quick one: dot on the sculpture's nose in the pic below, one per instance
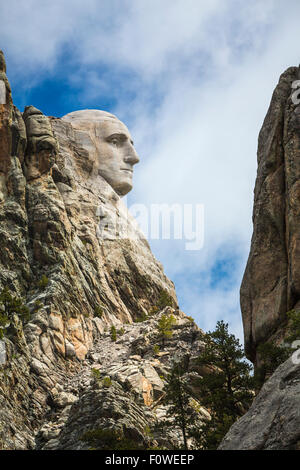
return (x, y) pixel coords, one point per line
(131, 156)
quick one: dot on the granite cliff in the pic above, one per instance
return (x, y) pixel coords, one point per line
(63, 372)
(271, 283)
(88, 357)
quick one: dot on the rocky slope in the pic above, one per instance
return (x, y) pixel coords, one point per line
(120, 386)
(271, 284)
(273, 421)
(77, 284)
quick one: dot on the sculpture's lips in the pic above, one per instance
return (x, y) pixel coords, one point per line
(127, 169)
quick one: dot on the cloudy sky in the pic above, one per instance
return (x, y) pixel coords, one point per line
(192, 79)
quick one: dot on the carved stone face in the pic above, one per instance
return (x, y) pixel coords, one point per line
(115, 155)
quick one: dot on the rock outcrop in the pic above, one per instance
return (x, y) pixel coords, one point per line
(120, 386)
(271, 284)
(73, 253)
(273, 421)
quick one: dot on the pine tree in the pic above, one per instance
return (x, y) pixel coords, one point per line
(113, 333)
(165, 325)
(226, 388)
(177, 396)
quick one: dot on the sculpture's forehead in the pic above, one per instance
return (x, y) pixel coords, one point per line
(96, 121)
(109, 127)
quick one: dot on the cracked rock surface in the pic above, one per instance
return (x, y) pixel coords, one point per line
(273, 421)
(271, 283)
(77, 283)
(120, 386)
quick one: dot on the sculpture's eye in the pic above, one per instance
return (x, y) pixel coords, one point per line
(114, 141)
(117, 139)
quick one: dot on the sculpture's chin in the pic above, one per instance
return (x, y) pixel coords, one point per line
(123, 189)
(122, 184)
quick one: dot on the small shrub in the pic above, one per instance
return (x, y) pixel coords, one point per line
(107, 382)
(37, 306)
(141, 317)
(164, 300)
(148, 431)
(195, 405)
(98, 312)
(113, 333)
(10, 306)
(293, 325)
(121, 331)
(43, 282)
(96, 374)
(271, 356)
(156, 349)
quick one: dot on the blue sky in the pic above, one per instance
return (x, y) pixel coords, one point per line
(192, 80)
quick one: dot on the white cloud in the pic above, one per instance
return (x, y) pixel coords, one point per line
(203, 73)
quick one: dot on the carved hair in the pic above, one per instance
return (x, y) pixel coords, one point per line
(78, 117)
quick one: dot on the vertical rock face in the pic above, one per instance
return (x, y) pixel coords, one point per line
(271, 283)
(61, 254)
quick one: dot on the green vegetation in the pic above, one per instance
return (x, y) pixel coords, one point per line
(156, 349)
(121, 331)
(226, 386)
(177, 396)
(98, 312)
(43, 282)
(293, 325)
(270, 357)
(164, 326)
(106, 382)
(113, 333)
(225, 389)
(10, 306)
(164, 300)
(96, 374)
(109, 439)
(141, 317)
(148, 431)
